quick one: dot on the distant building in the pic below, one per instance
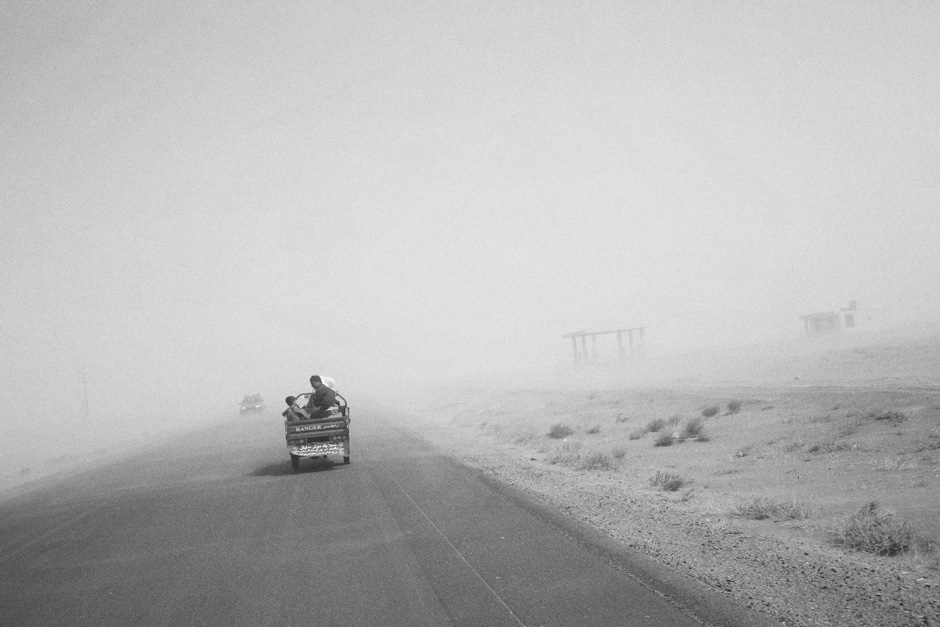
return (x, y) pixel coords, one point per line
(831, 321)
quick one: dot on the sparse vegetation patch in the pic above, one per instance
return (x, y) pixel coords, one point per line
(664, 439)
(762, 508)
(655, 425)
(693, 428)
(735, 406)
(874, 531)
(593, 430)
(932, 443)
(559, 431)
(636, 434)
(890, 415)
(847, 429)
(829, 446)
(711, 410)
(596, 461)
(568, 454)
(668, 481)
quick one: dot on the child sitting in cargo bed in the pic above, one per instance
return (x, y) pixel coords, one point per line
(294, 411)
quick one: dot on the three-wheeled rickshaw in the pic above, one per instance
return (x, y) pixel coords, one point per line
(316, 437)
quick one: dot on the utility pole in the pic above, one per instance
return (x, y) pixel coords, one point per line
(85, 398)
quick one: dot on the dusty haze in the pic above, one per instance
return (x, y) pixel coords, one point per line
(201, 201)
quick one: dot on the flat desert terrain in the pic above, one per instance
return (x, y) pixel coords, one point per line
(801, 479)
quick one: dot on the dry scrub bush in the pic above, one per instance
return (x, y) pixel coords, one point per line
(847, 429)
(559, 431)
(693, 428)
(618, 452)
(874, 531)
(932, 443)
(636, 434)
(792, 511)
(891, 415)
(596, 461)
(668, 481)
(593, 430)
(734, 406)
(674, 420)
(828, 447)
(664, 439)
(711, 410)
(761, 508)
(655, 425)
(568, 454)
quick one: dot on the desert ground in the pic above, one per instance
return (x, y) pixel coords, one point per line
(801, 478)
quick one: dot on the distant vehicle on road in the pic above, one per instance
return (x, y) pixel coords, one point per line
(316, 437)
(252, 402)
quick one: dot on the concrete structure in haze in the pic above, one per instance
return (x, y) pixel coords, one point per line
(831, 321)
(634, 337)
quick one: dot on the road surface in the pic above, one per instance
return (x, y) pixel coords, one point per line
(216, 529)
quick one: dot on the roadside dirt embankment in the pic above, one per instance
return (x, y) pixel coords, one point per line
(764, 489)
(807, 460)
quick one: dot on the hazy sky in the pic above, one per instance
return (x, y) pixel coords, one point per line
(205, 195)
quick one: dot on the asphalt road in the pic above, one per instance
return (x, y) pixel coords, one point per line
(216, 529)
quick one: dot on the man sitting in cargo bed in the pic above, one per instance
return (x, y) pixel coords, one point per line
(322, 399)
